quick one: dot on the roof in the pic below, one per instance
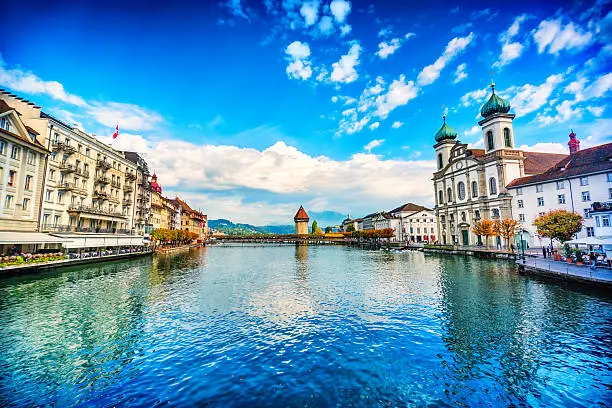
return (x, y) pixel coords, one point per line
(477, 152)
(587, 161)
(301, 215)
(29, 129)
(22, 138)
(536, 163)
(4, 107)
(409, 207)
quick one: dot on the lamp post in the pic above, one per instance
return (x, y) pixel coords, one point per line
(521, 245)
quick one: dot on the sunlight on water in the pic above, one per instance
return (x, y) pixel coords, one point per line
(301, 326)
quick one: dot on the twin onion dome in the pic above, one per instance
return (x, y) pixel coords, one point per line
(495, 104)
(445, 132)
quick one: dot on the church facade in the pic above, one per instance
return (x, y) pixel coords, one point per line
(470, 184)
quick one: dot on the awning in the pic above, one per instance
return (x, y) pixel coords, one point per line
(591, 241)
(13, 238)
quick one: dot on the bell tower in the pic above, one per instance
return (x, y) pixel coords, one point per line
(496, 126)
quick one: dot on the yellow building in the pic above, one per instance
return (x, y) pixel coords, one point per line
(192, 220)
(159, 213)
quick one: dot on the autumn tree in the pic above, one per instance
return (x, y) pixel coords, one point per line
(558, 224)
(506, 228)
(484, 228)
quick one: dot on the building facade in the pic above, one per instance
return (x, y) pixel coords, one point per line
(22, 169)
(192, 220)
(141, 211)
(574, 183)
(470, 184)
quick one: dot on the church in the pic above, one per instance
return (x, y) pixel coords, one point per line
(471, 184)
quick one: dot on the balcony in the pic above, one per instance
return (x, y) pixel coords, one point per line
(103, 164)
(128, 188)
(100, 195)
(67, 168)
(115, 200)
(116, 183)
(72, 228)
(601, 206)
(65, 186)
(127, 202)
(79, 190)
(102, 180)
(80, 172)
(95, 210)
(130, 176)
(69, 149)
(57, 145)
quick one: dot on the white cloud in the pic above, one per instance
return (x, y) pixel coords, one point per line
(373, 144)
(552, 37)
(596, 111)
(431, 73)
(470, 132)
(340, 9)
(460, 73)
(326, 25)
(510, 52)
(397, 124)
(473, 97)
(399, 93)
(546, 147)
(565, 110)
(513, 30)
(374, 126)
(127, 116)
(344, 71)
(600, 87)
(299, 64)
(345, 30)
(385, 31)
(385, 49)
(310, 12)
(235, 7)
(529, 98)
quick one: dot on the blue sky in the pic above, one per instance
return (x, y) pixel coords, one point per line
(250, 108)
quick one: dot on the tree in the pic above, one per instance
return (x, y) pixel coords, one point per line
(558, 224)
(315, 227)
(507, 229)
(387, 233)
(484, 228)
(350, 228)
(328, 230)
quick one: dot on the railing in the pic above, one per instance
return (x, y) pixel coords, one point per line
(94, 210)
(103, 164)
(57, 145)
(130, 176)
(73, 228)
(69, 149)
(114, 200)
(100, 195)
(127, 202)
(67, 168)
(102, 180)
(83, 173)
(116, 184)
(79, 190)
(65, 186)
(128, 188)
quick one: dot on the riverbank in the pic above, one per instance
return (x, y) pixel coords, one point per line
(564, 271)
(53, 265)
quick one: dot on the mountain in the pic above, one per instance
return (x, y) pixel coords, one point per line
(324, 219)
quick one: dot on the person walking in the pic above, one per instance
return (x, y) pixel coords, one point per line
(544, 252)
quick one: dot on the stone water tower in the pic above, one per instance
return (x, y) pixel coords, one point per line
(301, 222)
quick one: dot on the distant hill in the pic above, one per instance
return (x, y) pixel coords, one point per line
(324, 219)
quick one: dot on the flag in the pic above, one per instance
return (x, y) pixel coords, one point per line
(116, 132)
(202, 224)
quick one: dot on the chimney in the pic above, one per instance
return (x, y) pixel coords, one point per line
(574, 144)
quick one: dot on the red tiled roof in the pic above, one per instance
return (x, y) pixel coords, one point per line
(587, 161)
(24, 139)
(409, 207)
(4, 106)
(536, 163)
(301, 215)
(477, 152)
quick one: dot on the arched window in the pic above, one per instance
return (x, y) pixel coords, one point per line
(492, 186)
(474, 189)
(441, 197)
(477, 215)
(495, 212)
(507, 137)
(490, 141)
(449, 194)
(461, 190)
(439, 160)
(463, 216)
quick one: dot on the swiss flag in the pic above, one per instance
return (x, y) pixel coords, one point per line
(202, 224)
(116, 132)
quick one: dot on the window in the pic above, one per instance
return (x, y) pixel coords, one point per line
(54, 156)
(46, 219)
(586, 196)
(439, 160)
(587, 213)
(519, 191)
(461, 189)
(60, 197)
(12, 177)
(605, 221)
(8, 201)
(609, 177)
(584, 181)
(540, 201)
(3, 147)
(590, 231)
(474, 189)
(560, 185)
(31, 158)
(28, 182)
(4, 123)
(56, 220)
(522, 217)
(477, 215)
(490, 142)
(26, 204)
(51, 174)
(521, 204)
(495, 212)
(15, 152)
(610, 193)
(539, 188)
(561, 198)
(492, 186)
(449, 195)
(597, 224)
(507, 139)
(49, 195)
(463, 216)
(443, 219)
(87, 152)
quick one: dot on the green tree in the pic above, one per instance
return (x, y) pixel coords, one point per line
(350, 228)
(328, 230)
(315, 227)
(559, 224)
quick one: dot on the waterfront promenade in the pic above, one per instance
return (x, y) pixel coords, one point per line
(584, 273)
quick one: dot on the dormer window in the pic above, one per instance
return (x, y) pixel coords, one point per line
(4, 124)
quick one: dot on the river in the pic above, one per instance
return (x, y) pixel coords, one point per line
(318, 326)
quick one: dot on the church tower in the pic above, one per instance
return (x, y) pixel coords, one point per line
(573, 144)
(496, 126)
(301, 222)
(445, 140)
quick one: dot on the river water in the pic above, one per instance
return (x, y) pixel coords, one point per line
(317, 326)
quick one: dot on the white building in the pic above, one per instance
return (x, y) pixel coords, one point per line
(470, 184)
(573, 184)
(418, 223)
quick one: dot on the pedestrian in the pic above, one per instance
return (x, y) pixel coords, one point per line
(593, 261)
(544, 252)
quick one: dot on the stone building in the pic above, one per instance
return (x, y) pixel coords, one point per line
(470, 184)
(192, 220)
(301, 220)
(141, 211)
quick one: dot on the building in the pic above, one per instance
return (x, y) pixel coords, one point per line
(22, 170)
(349, 224)
(172, 214)
(301, 220)
(141, 211)
(418, 223)
(84, 181)
(470, 184)
(158, 218)
(574, 183)
(192, 220)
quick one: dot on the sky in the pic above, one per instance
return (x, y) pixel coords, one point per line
(250, 108)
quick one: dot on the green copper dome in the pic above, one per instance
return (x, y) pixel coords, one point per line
(495, 104)
(445, 132)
